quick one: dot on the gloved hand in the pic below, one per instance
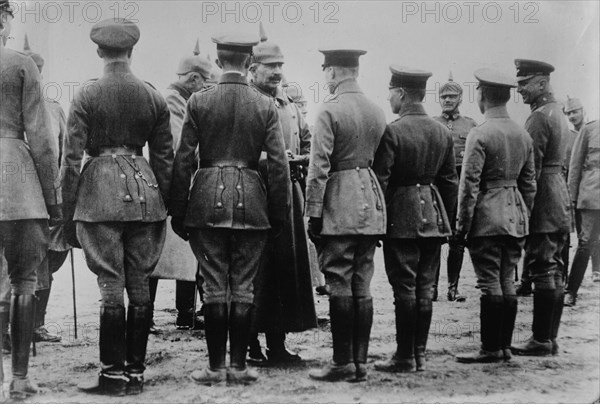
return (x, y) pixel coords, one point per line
(70, 234)
(56, 215)
(315, 226)
(179, 227)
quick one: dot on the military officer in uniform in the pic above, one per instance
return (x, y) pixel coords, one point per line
(24, 205)
(118, 200)
(459, 125)
(58, 248)
(550, 221)
(584, 187)
(228, 210)
(416, 168)
(346, 209)
(177, 261)
(496, 192)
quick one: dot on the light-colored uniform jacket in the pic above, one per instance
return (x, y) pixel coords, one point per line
(497, 183)
(584, 169)
(341, 186)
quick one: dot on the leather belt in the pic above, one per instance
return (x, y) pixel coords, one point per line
(11, 134)
(356, 164)
(407, 182)
(491, 184)
(115, 151)
(208, 163)
(552, 169)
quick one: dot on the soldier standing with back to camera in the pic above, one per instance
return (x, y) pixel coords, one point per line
(346, 209)
(228, 211)
(283, 287)
(550, 221)
(117, 202)
(497, 188)
(415, 167)
(459, 126)
(30, 193)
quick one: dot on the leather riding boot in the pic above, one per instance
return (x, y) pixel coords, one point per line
(539, 344)
(509, 316)
(491, 316)
(341, 312)
(138, 327)
(406, 329)
(216, 323)
(455, 261)
(363, 321)
(40, 334)
(240, 318)
(424, 314)
(5, 321)
(22, 309)
(434, 287)
(524, 288)
(277, 353)
(580, 263)
(111, 380)
(559, 296)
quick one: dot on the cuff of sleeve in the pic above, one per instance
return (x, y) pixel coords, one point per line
(52, 196)
(314, 209)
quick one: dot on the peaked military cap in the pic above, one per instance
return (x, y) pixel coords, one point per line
(408, 78)
(341, 57)
(236, 42)
(451, 86)
(572, 104)
(37, 58)
(493, 78)
(115, 33)
(195, 63)
(6, 7)
(527, 69)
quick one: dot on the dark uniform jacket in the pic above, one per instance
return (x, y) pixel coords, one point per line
(114, 111)
(28, 151)
(416, 168)
(459, 127)
(341, 187)
(497, 183)
(584, 170)
(549, 130)
(231, 123)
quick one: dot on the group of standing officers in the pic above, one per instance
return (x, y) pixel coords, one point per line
(236, 187)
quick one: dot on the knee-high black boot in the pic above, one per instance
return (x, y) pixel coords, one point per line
(403, 359)
(138, 327)
(454, 262)
(5, 321)
(509, 315)
(112, 379)
(559, 297)
(580, 263)
(491, 318)
(540, 344)
(22, 309)
(240, 317)
(424, 314)
(363, 321)
(341, 312)
(216, 323)
(40, 334)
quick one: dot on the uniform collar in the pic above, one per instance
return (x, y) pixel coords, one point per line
(117, 67)
(413, 109)
(496, 112)
(542, 100)
(233, 77)
(279, 97)
(183, 92)
(349, 85)
(451, 117)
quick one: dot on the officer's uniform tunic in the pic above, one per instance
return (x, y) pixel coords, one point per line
(284, 297)
(117, 200)
(342, 189)
(496, 194)
(550, 221)
(228, 208)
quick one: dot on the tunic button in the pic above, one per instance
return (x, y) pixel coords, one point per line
(114, 156)
(127, 198)
(434, 203)
(424, 220)
(239, 187)
(123, 176)
(219, 205)
(362, 187)
(422, 202)
(133, 156)
(418, 185)
(141, 199)
(357, 168)
(221, 187)
(240, 205)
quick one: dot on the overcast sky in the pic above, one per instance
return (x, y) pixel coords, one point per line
(437, 36)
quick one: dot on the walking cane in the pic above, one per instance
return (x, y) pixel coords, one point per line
(74, 299)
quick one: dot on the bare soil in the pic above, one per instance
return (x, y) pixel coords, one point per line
(571, 377)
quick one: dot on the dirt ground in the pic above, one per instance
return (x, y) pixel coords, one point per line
(571, 377)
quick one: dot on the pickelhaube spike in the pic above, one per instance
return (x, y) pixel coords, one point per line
(197, 47)
(262, 33)
(26, 47)
(450, 77)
